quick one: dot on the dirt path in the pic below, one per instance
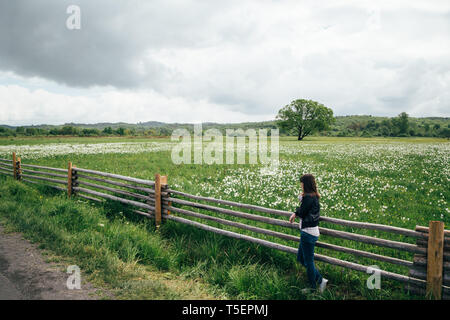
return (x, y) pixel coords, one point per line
(24, 274)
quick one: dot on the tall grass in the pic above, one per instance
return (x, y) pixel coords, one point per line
(100, 243)
(106, 242)
(388, 181)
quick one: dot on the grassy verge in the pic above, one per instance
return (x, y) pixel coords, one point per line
(122, 256)
(123, 253)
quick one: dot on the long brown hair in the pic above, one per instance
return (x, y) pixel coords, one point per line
(309, 184)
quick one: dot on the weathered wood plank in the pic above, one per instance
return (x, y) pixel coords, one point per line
(50, 174)
(44, 179)
(43, 167)
(81, 195)
(122, 192)
(114, 198)
(435, 258)
(317, 257)
(342, 222)
(6, 172)
(424, 243)
(14, 165)
(421, 260)
(293, 238)
(116, 183)
(7, 169)
(426, 229)
(420, 272)
(158, 200)
(7, 165)
(69, 180)
(335, 233)
(117, 176)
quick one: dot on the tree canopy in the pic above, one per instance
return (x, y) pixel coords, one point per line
(305, 117)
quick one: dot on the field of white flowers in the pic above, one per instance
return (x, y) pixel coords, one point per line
(395, 182)
(400, 182)
(37, 151)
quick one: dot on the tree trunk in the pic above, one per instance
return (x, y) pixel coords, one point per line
(300, 137)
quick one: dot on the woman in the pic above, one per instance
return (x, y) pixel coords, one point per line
(309, 213)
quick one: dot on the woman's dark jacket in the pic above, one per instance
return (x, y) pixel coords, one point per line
(309, 211)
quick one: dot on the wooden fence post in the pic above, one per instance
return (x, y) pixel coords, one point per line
(169, 203)
(74, 178)
(163, 188)
(14, 165)
(435, 256)
(157, 200)
(160, 183)
(18, 169)
(69, 180)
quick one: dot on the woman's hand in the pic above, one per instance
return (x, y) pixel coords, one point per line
(292, 218)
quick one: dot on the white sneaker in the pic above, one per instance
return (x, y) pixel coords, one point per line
(323, 285)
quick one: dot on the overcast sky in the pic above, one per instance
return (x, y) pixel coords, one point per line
(220, 61)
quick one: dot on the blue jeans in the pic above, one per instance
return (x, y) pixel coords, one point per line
(305, 256)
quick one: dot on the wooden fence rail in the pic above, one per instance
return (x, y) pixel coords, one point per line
(428, 270)
(325, 231)
(342, 222)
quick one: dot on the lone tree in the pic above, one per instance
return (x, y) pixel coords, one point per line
(401, 123)
(305, 117)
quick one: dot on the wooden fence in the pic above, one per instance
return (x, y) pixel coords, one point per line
(428, 272)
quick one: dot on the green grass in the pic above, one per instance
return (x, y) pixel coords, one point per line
(397, 181)
(316, 139)
(101, 241)
(111, 246)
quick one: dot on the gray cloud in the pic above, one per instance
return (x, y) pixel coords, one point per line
(102, 53)
(248, 57)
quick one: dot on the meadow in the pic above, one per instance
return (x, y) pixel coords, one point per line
(394, 181)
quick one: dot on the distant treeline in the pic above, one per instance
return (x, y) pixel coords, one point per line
(344, 126)
(70, 130)
(400, 126)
